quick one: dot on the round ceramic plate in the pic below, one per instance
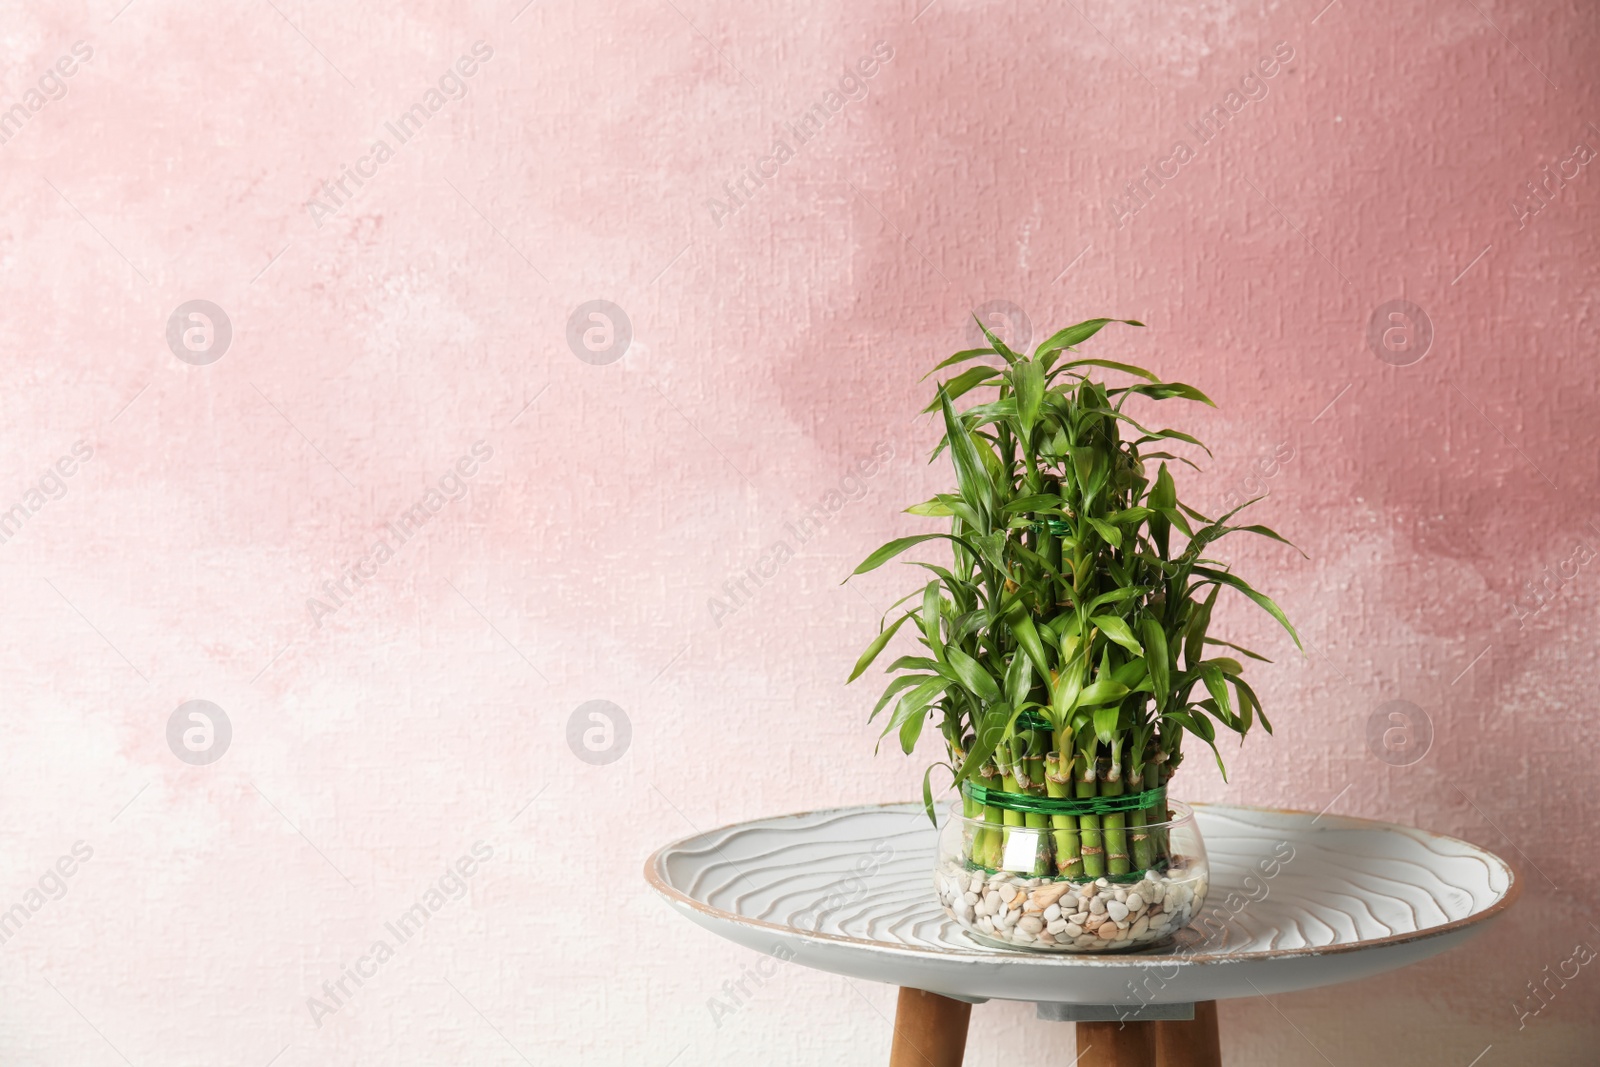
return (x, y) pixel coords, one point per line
(1296, 901)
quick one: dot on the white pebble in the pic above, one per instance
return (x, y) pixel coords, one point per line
(1094, 916)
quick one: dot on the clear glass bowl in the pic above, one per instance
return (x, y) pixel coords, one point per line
(1023, 901)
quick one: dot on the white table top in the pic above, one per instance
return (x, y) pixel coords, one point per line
(850, 890)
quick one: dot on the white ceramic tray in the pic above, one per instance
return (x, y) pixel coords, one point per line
(850, 891)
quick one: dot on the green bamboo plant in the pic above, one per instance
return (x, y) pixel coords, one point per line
(1067, 647)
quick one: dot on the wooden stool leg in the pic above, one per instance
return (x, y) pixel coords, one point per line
(929, 1030)
(1193, 1043)
(1116, 1044)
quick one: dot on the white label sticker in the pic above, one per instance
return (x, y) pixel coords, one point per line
(1022, 850)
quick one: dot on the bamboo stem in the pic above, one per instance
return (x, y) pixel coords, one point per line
(1058, 784)
(1094, 859)
(1008, 782)
(987, 853)
(1116, 822)
(1162, 812)
(1144, 846)
(1033, 764)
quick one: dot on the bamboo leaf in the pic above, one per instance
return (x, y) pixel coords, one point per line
(964, 383)
(1064, 694)
(1110, 533)
(1246, 702)
(1077, 334)
(1116, 596)
(904, 682)
(1135, 674)
(972, 674)
(1174, 435)
(1194, 636)
(973, 476)
(1118, 631)
(1242, 651)
(899, 545)
(1166, 391)
(1027, 378)
(927, 793)
(999, 345)
(933, 509)
(1083, 458)
(1198, 725)
(1201, 727)
(1105, 724)
(1216, 684)
(1071, 368)
(916, 702)
(1157, 658)
(1264, 602)
(992, 546)
(1019, 678)
(1028, 637)
(960, 357)
(910, 730)
(1264, 531)
(930, 616)
(998, 474)
(1162, 498)
(1245, 692)
(876, 647)
(1102, 690)
(1037, 502)
(1175, 517)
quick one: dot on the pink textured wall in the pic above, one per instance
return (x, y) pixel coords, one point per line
(584, 547)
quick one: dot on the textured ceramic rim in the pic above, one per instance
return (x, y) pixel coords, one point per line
(655, 875)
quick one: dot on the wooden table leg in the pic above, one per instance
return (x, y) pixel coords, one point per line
(1192, 1043)
(929, 1030)
(1116, 1044)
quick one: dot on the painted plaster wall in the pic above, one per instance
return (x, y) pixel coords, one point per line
(382, 332)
